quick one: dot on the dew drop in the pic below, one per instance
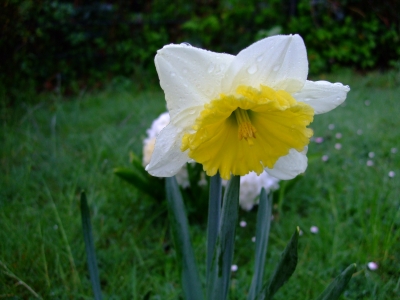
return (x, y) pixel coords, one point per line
(252, 69)
(172, 74)
(338, 98)
(211, 68)
(186, 44)
(260, 58)
(276, 68)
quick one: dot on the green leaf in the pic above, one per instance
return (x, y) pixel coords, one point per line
(214, 212)
(219, 276)
(135, 161)
(147, 296)
(140, 178)
(336, 288)
(152, 186)
(89, 246)
(180, 231)
(285, 268)
(262, 233)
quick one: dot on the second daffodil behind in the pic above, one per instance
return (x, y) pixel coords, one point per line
(237, 114)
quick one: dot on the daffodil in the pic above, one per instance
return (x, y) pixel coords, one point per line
(243, 113)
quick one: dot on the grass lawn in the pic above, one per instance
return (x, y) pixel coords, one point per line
(53, 150)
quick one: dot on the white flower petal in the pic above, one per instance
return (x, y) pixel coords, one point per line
(158, 125)
(323, 96)
(190, 77)
(279, 62)
(250, 188)
(167, 158)
(289, 166)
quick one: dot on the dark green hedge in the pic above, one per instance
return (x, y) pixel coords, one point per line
(68, 45)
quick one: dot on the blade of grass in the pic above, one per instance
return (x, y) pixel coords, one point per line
(337, 287)
(285, 268)
(285, 187)
(43, 254)
(214, 211)
(262, 233)
(180, 231)
(20, 282)
(218, 281)
(76, 280)
(89, 246)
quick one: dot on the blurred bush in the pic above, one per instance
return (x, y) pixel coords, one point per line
(66, 46)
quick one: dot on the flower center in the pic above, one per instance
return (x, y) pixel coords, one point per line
(223, 137)
(246, 130)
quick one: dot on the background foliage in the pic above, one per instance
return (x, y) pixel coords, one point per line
(68, 46)
(53, 150)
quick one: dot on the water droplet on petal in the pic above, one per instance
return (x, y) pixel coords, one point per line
(172, 74)
(252, 69)
(186, 44)
(211, 68)
(260, 58)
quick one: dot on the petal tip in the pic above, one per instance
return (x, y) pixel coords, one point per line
(346, 88)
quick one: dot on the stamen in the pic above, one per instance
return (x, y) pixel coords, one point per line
(246, 130)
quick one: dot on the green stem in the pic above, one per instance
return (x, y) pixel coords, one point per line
(214, 213)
